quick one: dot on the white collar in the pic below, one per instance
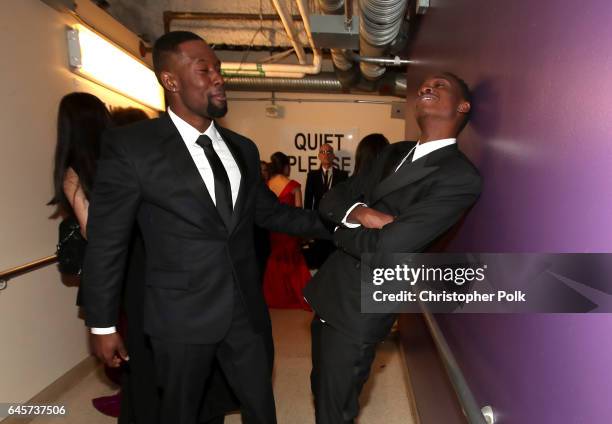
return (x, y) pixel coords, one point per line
(188, 133)
(422, 149)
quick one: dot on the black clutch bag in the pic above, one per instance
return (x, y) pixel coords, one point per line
(70, 247)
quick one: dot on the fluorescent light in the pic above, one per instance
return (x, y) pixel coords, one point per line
(96, 59)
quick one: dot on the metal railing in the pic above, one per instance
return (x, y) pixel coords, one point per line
(468, 403)
(7, 274)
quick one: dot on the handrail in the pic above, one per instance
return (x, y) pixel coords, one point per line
(22, 269)
(466, 398)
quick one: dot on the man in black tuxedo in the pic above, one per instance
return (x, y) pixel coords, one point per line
(412, 195)
(194, 189)
(319, 182)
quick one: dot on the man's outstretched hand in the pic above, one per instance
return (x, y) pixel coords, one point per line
(369, 218)
(109, 348)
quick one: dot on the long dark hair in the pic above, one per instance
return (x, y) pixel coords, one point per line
(81, 119)
(127, 115)
(278, 162)
(368, 149)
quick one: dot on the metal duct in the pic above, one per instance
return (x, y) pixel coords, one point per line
(394, 84)
(339, 57)
(380, 24)
(331, 7)
(324, 82)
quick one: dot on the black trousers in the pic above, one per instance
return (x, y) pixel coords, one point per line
(182, 371)
(139, 394)
(340, 367)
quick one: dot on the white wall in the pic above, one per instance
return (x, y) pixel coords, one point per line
(42, 337)
(278, 134)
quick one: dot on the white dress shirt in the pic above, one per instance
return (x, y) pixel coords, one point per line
(190, 135)
(420, 150)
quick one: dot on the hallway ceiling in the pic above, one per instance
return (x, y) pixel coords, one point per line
(146, 18)
(248, 32)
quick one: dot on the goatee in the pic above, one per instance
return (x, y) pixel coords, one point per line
(216, 110)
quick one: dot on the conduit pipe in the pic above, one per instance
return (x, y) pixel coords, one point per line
(334, 7)
(290, 30)
(331, 7)
(325, 82)
(275, 70)
(379, 25)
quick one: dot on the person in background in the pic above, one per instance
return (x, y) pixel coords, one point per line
(286, 272)
(367, 151)
(127, 115)
(265, 170)
(319, 182)
(81, 120)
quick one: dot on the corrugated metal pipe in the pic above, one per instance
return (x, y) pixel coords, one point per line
(323, 83)
(331, 7)
(339, 56)
(379, 25)
(393, 84)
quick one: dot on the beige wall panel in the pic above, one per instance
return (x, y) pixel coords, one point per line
(42, 336)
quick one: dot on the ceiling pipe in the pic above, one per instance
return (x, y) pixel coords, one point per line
(348, 14)
(339, 56)
(170, 16)
(382, 61)
(379, 25)
(392, 84)
(331, 7)
(275, 70)
(290, 30)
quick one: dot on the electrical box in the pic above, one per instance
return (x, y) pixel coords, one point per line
(329, 31)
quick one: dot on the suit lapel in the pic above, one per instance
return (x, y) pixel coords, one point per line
(234, 147)
(410, 172)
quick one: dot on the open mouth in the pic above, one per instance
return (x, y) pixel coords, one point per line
(428, 97)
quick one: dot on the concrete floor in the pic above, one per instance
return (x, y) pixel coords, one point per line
(384, 400)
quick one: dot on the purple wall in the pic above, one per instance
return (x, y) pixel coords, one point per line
(542, 137)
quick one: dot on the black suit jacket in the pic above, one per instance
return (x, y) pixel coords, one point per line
(146, 174)
(426, 196)
(315, 189)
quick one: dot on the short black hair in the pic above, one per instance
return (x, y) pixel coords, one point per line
(463, 87)
(168, 44)
(466, 94)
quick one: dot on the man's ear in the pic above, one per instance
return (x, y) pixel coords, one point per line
(464, 107)
(168, 81)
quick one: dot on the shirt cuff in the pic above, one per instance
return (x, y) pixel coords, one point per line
(350, 224)
(100, 331)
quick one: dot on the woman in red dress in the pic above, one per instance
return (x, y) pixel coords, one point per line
(286, 272)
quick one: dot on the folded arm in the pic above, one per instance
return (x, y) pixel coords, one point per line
(418, 225)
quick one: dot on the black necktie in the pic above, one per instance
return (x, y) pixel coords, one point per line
(406, 161)
(326, 179)
(393, 166)
(223, 189)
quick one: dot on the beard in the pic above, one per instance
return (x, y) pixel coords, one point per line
(214, 110)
